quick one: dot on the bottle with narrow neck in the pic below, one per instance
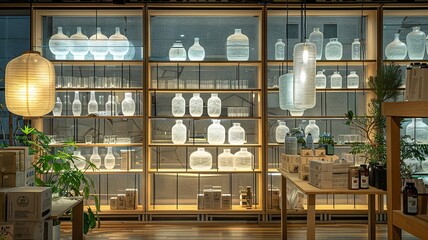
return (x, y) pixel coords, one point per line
(314, 130)
(118, 45)
(214, 105)
(196, 51)
(196, 105)
(110, 106)
(317, 37)
(109, 159)
(356, 49)
(57, 107)
(77, 105)
(279, 50)
(236, 134)
(281, 131)
(59, 44)
(179, 132)
(225, 160)
(178, 105)
(79, 45)
(95, 158)
(396, 50)
(238, 47)
(216, 133)
(98, 45)
(92, 104)
(79, 160)
(320, 80)
(128, 105)
(416, 44)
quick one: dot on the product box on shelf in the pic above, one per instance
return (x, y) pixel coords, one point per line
(113, 203)
(121, 201)
(319, 152)
(131, 198)
(6, 230)
(208, 198)
(226, 201)
(29, 203)
(216, 190)
(126, 157)
(273, 198)
(29, 230)
(306, 152)
(200, 201)
(3, 203)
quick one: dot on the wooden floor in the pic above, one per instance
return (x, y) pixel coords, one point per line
(192, 231)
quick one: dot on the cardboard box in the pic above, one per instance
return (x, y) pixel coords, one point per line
(243, 198)
(121, 201)
(6, 230)
(217, 203)
(126, 155)
(29, 230)
(226, 201)
(319, 165)
(3, 204)
(319, 152)
(29, 203)
(13, 179)
(208, 199)
(200, 197)
(9, 161)
(306, 152)
(131, 198)
(113, 203)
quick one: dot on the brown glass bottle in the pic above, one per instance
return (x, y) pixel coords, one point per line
(410, 199)
(364, 176)
(249, 198)
(353, 178)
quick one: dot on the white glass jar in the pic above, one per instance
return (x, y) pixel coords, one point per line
(201, 160)
(238, 47)
(314, 130)
(178, 105)
(95, 158)
(216, 133)
(57, 110)
(317, 37)
(177, 52)
(214, 105)
(304, 67)
(196, 51)
(77, 105)
(179, 132)
(236, 134)
(336, 80)
(333, 50)
(353, 80)
(79, 45)
(416, 44)
(279, 50)
(196, 105)
(286, 94)
(418, 130)
(109, 159)
(92, 104)
(59, 45)
(320, 80)
(98, 45)
(128, 105)
(356, 49)
(118, 45)
(225, 160)
(79, 160)
(396, 50)
(243, 160)
(281, 131)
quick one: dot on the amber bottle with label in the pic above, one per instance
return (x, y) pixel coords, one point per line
(410, 199)
(364, 176)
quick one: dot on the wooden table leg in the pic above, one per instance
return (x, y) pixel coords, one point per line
(284, 208)
(77, 217)
(372, 217)
(310, 217)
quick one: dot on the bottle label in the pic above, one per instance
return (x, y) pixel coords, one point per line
(355, 183)
(364, 181)
(412, 205)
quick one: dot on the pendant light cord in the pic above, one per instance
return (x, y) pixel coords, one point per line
(31, 26)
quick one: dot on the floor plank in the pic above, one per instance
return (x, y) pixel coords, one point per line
(114, 230)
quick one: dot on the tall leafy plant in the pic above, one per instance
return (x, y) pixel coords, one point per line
(56, 169)
(385, 87)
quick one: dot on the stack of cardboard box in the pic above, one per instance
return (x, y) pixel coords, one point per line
(16, 169)
(212, 198)
(324, 174)
(127, 200)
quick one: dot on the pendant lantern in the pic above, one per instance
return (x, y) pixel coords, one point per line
(304, 66)
(286, 93)
(30, 85)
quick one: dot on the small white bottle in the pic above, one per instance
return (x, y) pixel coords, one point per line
(320, 80)
(336, 80)
(109, 159)
(214, 105)
(92, 104)
(196, 105)
(57, 107)
(281, 131)
(179, 132)
(279, 50)
(356, 49)
(178, 105)
(236, 134)
(353, 80)
(225, 160)
(95, 157)
(77, 105)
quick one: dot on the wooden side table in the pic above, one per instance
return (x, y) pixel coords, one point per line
(60, 206)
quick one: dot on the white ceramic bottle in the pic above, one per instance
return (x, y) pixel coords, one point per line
(214, 105)
(79, 45)
(98, 45)
(77, 105)
(118, 45)
(128, 105)
(196, 105)
(201, 160)
(178, 105)
(179, 132)
(281, 131)
(416, 44)
(396, 50)
(336, 80)
(279, 50)
(314, 130)
(216, 133)
(225, 160)
(57, 107)
(236, 134)
(320, 80)
(317, 37)
(238, 47)
(333, 50)
(243, 160)
(95, 158)
(92, 104)
(59, 45)
(356, 49)
(353, 80)
(109, 159)
(196, 51)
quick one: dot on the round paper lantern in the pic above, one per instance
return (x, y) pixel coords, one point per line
(304, 66)
(30, 85)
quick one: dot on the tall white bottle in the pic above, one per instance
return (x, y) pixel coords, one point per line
(92, 104)
(196, 51)
(214, 105)
(95, 157)
(279, 50)
(109, 107)
(225, 160)
(196, 105)
(57, 107)
(77, 105)
(317, 37)
(98, 45)
(353, 80)
(216, 133)
(356, 49)
(118, 45)
(109, 159)
(178, 105)
(79, 45)
(238, 47)
(416, 44)
(179, 132)
(281, 131)
(128, 105)
(79, 160)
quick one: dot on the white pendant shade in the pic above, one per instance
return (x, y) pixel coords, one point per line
(30, 85)
(304, 66)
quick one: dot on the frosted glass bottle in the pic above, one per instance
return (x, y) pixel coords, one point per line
(238, 47)
(98, 45)
(225, 160)
(117, 106)
(79, 160)
(353, 80)
(79, 45)
(179, 132)
(214, 105)
(279, 50)
(317, 37)
(95, 157)
(201, 160)
(333, 50)
(109, 107)
(336, 80)
(128, 105)
(281, 131)
(67, 106)
(196, 51)
(356, 49)
(416, 44)
(304, 68)
(178, 105)
(118, 45)
(286, 94)
(216, 133)
(396, 50)
(92, 104)
(196, 105)
(84, 104)
(101, 102)
(314, 130)
(77, 105)
(177, 52)
(320, 80)
(57, 107)
(290, 145)
(236, 134)
(418, 129)
(59, 44)
(243, 160)
(109, 159)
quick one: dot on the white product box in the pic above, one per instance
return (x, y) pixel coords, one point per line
(113, 203)
(6, 231)
(29, 230)
(200, 201)
(121, 201)
(3, 203)
(322, 166)
(226, 201)
(208, 199)
(217, 197)
(29, 203)
(243, 198)
(131, 198)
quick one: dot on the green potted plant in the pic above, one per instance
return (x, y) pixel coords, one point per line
(56, 169)
(326, 141)
(372, 126)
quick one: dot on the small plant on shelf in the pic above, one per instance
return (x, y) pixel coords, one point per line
(326, 141)
(55, 168)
